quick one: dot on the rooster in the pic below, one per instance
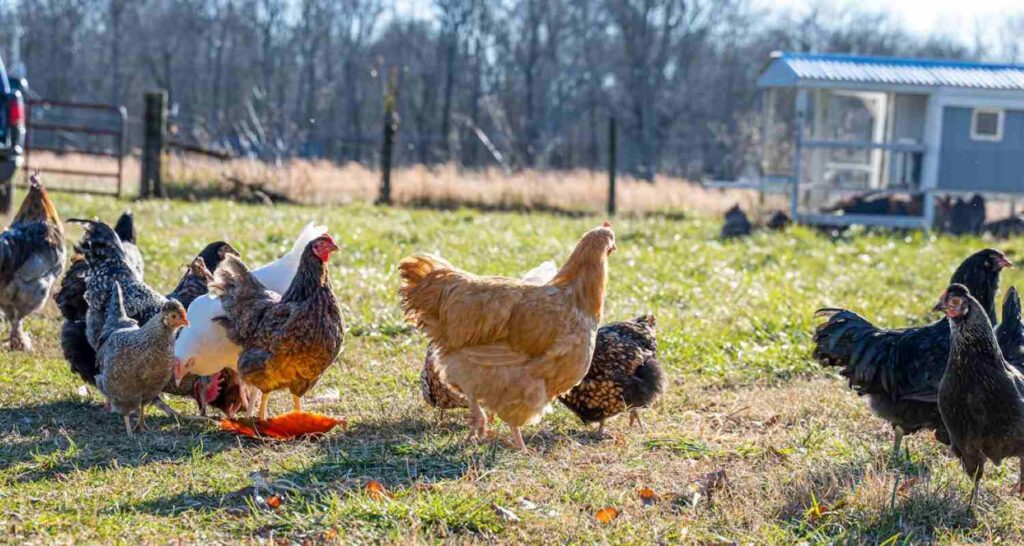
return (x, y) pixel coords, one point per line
(31, 258)
(899, 370)
(509, 346)
(289, 340)
(981, 396)
(203, 348)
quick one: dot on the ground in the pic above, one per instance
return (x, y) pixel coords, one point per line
(752, 442)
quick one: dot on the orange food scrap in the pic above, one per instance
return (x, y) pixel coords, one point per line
(648, 496)
(274, 501)
(289, 426)
(607, 515)
(376, 490)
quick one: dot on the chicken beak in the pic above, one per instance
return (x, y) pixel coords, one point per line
(1003, 261)
(939, 307)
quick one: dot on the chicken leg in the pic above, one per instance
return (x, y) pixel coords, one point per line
(140, 425)
(128, 425)
(634, 418)
(517, 437)
(19, 340)
(296, 403)
(897, 443)
(263, 406)
(477, 420)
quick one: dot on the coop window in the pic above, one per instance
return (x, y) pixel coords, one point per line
(987, 125)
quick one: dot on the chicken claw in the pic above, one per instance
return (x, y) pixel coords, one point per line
(19, 339)
(634, 417)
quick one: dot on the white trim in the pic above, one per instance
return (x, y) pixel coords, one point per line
(1000, 121)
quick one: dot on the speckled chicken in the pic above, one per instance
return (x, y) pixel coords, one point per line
(136, 362)
(288, 341)
(899, 370)
(624, 374)
(436, 393)
(31, 258)
(981, 396)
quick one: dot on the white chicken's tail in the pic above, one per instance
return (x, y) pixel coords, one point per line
(542, 274)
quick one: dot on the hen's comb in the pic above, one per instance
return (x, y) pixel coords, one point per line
(213, 390)
(606, 224)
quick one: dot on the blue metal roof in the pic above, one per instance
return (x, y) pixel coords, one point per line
(793, 69)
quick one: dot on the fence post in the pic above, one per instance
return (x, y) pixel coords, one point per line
(388, 146)
(612, 164)
(155, 120)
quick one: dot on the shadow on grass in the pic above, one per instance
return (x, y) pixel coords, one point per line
(66, 435)
(399, 454)
(914, 514)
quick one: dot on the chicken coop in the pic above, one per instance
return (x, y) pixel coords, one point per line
(837, 128)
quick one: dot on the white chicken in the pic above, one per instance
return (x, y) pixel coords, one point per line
(203, 347)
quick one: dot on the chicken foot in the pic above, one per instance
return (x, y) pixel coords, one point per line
(19, 340)
(477, 421)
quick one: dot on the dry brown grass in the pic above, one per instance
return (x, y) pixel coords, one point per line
(323, 182)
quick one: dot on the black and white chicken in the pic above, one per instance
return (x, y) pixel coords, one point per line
(31, 259)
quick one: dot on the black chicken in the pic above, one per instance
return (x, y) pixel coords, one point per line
(899, 370)
(981, 396)
(1010, 332)
(736, 223)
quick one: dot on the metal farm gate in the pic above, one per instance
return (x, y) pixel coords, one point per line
(87, 129)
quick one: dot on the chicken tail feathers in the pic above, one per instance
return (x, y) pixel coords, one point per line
(421, 299)
(645, 385)
(849, 341)
(233, 281)
(125, 227)
(74, 343)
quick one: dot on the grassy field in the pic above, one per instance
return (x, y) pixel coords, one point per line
(751, 444)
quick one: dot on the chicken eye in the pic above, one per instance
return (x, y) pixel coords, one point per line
(955, 301)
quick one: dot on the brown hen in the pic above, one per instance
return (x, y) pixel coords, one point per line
(288, 341)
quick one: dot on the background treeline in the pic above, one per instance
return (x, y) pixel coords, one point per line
(515, 83)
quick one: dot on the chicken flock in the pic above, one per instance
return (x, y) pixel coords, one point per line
(227, 336)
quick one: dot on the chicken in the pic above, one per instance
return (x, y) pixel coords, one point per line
(438, 394)
(1010, 332)
(899, 370)
(624, 374)
(203, 347)
(509, 346)
(288, 341)
(125, 230)
(736, 223)
(135, 362)
(981, 396)
(31, 258)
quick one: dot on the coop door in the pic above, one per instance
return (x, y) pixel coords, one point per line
(850, 116)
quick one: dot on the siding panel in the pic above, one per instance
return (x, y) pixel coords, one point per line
(968, 165)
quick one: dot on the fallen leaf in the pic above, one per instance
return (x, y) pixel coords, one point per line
(274, 501)
(908, 485)
(648, 496)
(772, 421)
(283, 427)
(607, 515)
(504, 513)
(376, 490)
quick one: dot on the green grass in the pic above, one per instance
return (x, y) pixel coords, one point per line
(744, 397)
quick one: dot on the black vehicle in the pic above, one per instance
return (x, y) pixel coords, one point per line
(12, 132)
